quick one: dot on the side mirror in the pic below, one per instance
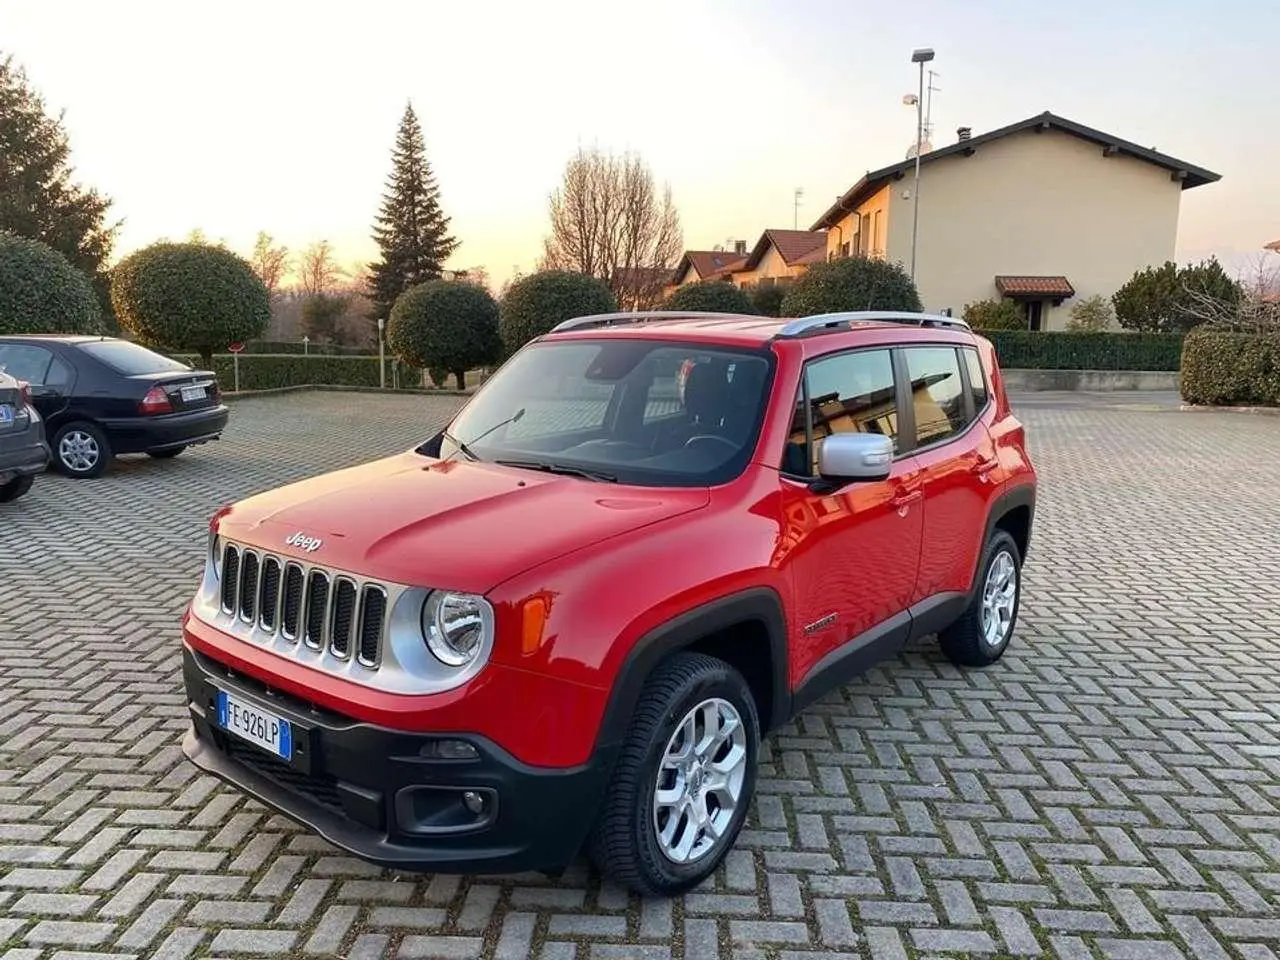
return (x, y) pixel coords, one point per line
(846, 457)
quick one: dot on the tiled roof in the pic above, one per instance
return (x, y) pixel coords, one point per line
(794, 246)
(1188, 175)
(1010, 286)
(711, 263)
(1273, 245)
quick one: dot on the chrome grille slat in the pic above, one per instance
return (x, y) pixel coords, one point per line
(230, 578)
(269, 597)
(344, 617)
(373, 614)
(291, 604)
(317, 609)
(275, 598)
(248, 595)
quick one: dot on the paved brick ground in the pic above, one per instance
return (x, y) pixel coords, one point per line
(1111, 788)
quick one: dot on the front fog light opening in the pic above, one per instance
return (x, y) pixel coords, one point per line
(456, 626)
(428, 809)
(473, 801)
(449, 750)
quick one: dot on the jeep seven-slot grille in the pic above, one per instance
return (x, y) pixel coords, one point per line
(308, 604)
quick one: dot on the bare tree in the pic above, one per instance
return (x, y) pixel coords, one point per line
(269, 262)
(609, 220)
(1256, 311)
(318, 271)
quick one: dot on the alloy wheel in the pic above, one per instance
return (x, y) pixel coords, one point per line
(78, 451)
(999, 596)
(700, 781)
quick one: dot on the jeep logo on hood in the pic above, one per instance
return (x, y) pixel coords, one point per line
(303, 542)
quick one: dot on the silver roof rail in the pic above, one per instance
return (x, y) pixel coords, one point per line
(643, 316)
(832, 321)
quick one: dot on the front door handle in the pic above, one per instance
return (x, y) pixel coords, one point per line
(904, 500)
(985, 466)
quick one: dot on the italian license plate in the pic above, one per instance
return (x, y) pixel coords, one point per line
(193, 393)
(249, 722)
(6, 414)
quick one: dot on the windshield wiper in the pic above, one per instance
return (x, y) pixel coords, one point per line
(462, 447)
(560, 468)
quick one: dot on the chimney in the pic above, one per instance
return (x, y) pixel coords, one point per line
(740, 247)
(964, 133)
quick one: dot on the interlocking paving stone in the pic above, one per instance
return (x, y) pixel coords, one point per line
(1110, 788)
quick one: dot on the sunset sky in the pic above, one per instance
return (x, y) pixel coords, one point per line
(239, 116)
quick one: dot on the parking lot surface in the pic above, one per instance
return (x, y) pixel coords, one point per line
(1111, 788)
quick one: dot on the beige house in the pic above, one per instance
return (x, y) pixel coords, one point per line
(780, 256)
(1044, 212)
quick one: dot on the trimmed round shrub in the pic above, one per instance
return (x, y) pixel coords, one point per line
(40, 292)
(768, 300)
(999, 314)
(189, 296)
(710, 296)
(851, 283)
(445, 325)
(536, 303)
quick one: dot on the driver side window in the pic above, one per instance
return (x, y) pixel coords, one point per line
(849, 392)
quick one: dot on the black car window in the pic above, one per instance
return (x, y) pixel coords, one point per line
(130, 359)
(977, 381)
(847, 392)
(60, 375)
(937, 393)
(25, 361)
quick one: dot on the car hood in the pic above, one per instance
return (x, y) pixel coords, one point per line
(454, 525)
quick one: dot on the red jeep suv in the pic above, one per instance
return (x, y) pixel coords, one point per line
(567, 620)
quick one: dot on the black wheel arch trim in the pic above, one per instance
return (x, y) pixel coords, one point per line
(757, 604)
(1021, 495)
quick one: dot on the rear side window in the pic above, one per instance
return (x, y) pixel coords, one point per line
(24, 361)
(850, 392)
(977, 381)
(130, 359)
(937, 393)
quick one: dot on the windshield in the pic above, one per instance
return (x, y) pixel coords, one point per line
(637, 411)
(130, 359)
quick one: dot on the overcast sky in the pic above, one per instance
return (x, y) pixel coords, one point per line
(279, 115)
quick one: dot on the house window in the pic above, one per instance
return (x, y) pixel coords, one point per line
(864, 233)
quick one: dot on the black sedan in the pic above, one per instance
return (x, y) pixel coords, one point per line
(23, 452)
(101, 396)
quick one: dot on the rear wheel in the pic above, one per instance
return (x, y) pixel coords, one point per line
(15, 488)
(683, 781)
(166, 454)
(81, 450)
(981, 635)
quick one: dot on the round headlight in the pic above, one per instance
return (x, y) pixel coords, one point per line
(215, 554)
(456, 626)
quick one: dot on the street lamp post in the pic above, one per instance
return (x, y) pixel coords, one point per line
(382, 354)
(921, 57)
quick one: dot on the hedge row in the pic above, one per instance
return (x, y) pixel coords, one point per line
(1052, 350)
(1231, 369)
(269, 371)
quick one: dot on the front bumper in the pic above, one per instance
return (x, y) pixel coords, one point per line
(165, 431)
(372, 792)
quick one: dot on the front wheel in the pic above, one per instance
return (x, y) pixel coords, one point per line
(683, 781)
(981, 635)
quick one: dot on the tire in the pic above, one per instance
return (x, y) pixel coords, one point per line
(81, 450)
(15, 488)
(968, 642)
(166, 454)
(626, 841)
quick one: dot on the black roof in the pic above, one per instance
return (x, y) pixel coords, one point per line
(1189, 174)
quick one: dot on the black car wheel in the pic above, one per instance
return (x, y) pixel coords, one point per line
(81, 450)
(684, 780)
(15, 488)
(166, 454)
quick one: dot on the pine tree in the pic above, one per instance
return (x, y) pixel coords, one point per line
(38, 198)
(411, 230)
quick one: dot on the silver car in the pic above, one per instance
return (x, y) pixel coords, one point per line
(23, 451)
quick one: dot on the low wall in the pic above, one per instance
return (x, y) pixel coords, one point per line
(1090, 380)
